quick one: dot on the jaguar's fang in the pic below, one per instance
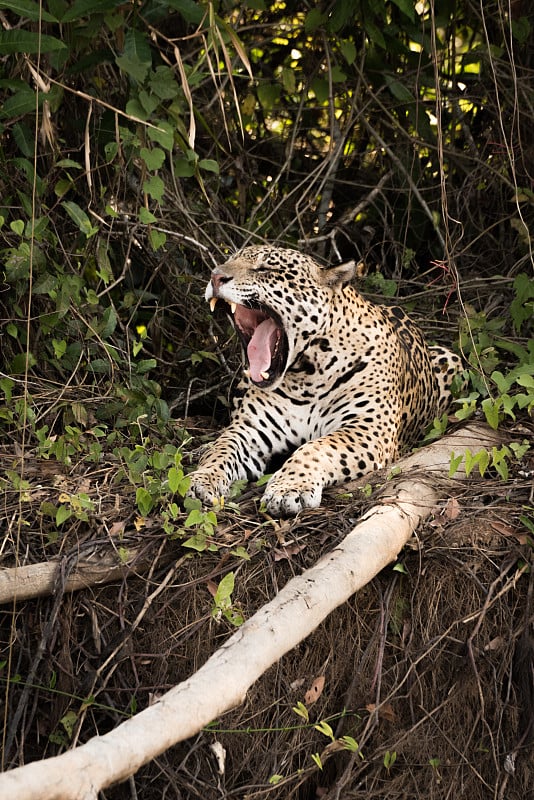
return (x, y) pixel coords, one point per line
(213, 303)
(265, 376)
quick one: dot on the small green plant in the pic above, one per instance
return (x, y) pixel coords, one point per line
(499, 458)
(390, 756)
(435, 763)
(222, 602)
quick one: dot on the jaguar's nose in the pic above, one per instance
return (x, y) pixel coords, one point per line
(217, 280)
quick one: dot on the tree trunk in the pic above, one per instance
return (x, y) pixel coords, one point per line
(275, 629)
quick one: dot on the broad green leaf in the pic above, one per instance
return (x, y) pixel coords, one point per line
(18, 364)
(28, 9)
(209, 165)
(137, 57)
(157, 239)
(146, 216)
(348, 50)
(314, 19)
(163, 83)
(225, 588)
(62, 514)
(183, 168)
(155, 187)
(375, 35)
(24, 137)
(149, 101)
(162, 135)
(195, 517)
(189, 10)
(79, 217)
(85, 8)
(399, 90)
(144, 500)
(406, 6)
(108, 323)
(269, 94)
(24, 101)
(134, 67)
(153, 158)
(29, 42)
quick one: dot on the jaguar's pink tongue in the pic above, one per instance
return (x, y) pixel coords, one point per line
(260, 348)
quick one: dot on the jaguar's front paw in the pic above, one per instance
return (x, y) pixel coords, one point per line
(208, 485)
(285, 499)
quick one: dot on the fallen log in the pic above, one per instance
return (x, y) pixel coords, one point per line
(38, 580)
(276, 628)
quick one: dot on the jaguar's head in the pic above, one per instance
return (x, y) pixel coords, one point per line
(277, 299)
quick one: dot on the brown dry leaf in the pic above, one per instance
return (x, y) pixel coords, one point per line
(502, 528)
(315, 690)
(495, 644)
(116, 528)
(139, 522)
(384, 712)
(452, 509)
(212, 588)
(288, 551)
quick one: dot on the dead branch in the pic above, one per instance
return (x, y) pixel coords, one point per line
(276, 628)
(38, 580)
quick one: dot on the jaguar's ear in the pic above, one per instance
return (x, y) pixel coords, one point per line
(340, 275)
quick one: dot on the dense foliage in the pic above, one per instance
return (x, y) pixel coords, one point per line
(139, 142)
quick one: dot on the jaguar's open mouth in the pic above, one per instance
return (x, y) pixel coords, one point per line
(264, 339)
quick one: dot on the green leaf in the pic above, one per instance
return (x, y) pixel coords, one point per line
(162, 135)
(455, 463)
(28, 42)
(314, 19)
(60, 347)
(146, 216)
(316, 758)
(375, 35)
(195, 517)
(24, 101)
(154, 158)
(269, 94)
(157, 238)
(302, 711)
(399, 90)
(348, 51)
(18, 364)
(178, 482)
(28, 9)
(62, 514)
(491, 411)
(209, 165)
(68, 722)
(80, 218)
(137, 58)
(24, 137)
(108, 323)
(144, 501)
(406, 6)
(189, 10)
(183, 168)
(225, 587)
(155, 187)
(324, 728)
(86, 8)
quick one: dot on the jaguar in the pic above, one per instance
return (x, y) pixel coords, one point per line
(336, 383)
